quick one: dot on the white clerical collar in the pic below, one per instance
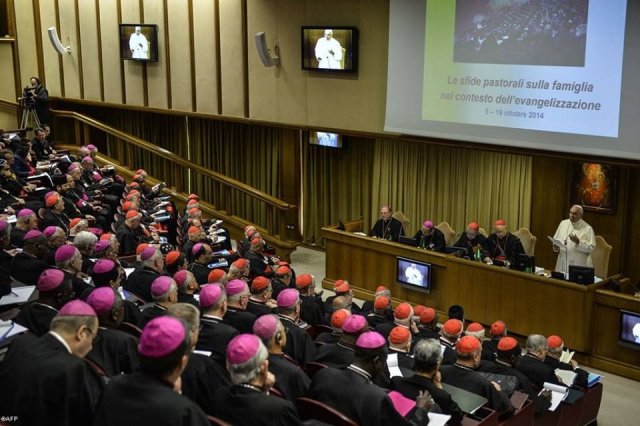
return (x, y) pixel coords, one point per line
(61, 340)
(360, 372)
(212, 317)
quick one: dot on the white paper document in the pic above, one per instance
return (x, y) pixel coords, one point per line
(437, 419)
(9, 329)
(17, 295)
(560, 244)
(558, 394)
(567, 376)
(392, 364)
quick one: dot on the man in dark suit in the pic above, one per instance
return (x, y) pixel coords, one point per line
(113, 350)
(299, 346)
(237, 315)
(312, 309)
(532, 363)
(352, 391)
(502, 245)
(140, 280)
(430, 238)
(463, 375)
(473, 241)
(291, 380)
(45, 379)
(450, 334)
(387, 227)
(54, 290)
(127, 233)
(215, 335)
(247, 401)
(152, 396)
(556, 346)
(400, 346)
(427, 359)
(27, 266)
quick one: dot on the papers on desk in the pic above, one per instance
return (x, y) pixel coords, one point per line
(437, 419)
(362, 234)
(222, 263)
(558, 394)
(392, 364)
(17, 295)
(12, 219)
(9, 329)
(567, 376)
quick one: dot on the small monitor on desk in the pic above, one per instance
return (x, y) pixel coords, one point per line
(525, 263)
(414, 274)
(581, 274)
(629, 329)
(410, 241)
(458, 251)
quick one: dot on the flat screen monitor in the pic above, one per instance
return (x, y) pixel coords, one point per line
(629, 329)
(410, 241)
(330, 49)
(331, 140)
(525, 263)
(414, 274)
(139, 42)
(581, 274)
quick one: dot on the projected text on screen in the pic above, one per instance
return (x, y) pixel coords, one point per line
(550, 65)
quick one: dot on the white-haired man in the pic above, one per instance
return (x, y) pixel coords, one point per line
(578, 238)
(248, 366)
(139, 45)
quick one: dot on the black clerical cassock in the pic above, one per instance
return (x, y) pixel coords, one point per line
(300, 345)
(507, 248)
(36, 317)
(115, 351)
(201, 379)
(291, 380)
(387, 229)
(247, 405)
(44, 384)
(141, 399)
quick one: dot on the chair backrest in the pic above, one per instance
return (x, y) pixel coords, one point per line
(311, 368)
(316, 330)
(527, 239)
(483, 232)
(398, 215)
(309, 409)
(600, 256)
(449, 233)
(131, 329)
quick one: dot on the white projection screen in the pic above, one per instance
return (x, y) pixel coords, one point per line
(558, 75)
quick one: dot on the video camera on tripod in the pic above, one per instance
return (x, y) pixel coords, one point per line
(28, 99)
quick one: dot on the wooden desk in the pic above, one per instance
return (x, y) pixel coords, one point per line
(526, 302)
(607, 353)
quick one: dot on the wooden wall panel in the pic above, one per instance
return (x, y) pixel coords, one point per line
(110, 40)
(26, 37)
(91, 72)
(132, 69)
(50, 56)
(157, 71)
(231, 57)
(7, 89)
(205, 58)
(180, 55)
(69, 36)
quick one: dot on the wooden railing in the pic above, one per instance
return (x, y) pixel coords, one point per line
(276, 209)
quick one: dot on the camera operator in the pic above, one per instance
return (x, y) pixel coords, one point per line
(37, 98)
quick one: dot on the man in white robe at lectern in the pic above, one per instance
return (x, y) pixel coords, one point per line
(579, 241)
(328, 51)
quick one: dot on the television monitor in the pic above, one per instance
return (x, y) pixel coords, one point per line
(410, 241)
(629, 329)
(139, 42)
(581, 274)
(414, 274)
(330, 49)
(525, 263)
(331, 140)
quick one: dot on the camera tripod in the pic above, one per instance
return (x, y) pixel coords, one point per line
(29, 116)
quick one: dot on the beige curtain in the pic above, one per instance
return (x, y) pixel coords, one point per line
(248, 153)
(450, 184)
(336, 184)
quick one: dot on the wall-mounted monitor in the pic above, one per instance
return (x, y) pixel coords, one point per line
(414, 274)
(629, 329)
(139, 42)
(331, 49)
(331, 140)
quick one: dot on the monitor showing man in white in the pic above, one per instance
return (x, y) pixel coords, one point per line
(329, 51)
